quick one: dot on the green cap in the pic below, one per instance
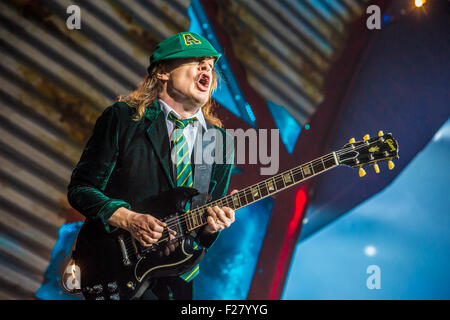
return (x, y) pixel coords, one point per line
(182, 45)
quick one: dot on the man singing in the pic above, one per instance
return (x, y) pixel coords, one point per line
(135, 150)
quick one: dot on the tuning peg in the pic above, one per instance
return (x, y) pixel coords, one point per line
(352, 140)
(377, 168)
(391, 165)
(380, 133)
(366, 137)
(362, 172)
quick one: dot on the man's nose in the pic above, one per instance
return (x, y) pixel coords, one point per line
(205, 66)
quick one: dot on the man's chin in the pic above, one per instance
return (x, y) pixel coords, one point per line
(200, 101)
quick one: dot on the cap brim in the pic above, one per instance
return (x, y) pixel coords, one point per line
(193, 53)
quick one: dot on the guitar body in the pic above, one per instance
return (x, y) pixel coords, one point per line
(114, 266)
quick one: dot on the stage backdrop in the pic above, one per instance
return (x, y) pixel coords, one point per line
(401, 87)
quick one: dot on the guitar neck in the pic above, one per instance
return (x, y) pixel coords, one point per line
(196, 218)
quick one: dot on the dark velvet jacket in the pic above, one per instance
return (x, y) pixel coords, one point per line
(126, 162)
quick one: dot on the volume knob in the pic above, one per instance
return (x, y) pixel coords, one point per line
(98, 288)
(112, 286)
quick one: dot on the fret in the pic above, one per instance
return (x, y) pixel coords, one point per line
(259, 189)
(181, 225)
(189, 222)
(201, 217)
(316, 167)
(312, 168)
(264, 191)
(282, 179)
(224, 202)
(194, 218)
(324, 168)
(330, 163)
(298, 175)
(336, 161)
(216, 203)
(204, 216)
(229, 202)
(242, 198)
(279, 182)
(220, 202)
(248, 195)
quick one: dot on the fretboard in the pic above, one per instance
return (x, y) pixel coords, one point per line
(196, 218)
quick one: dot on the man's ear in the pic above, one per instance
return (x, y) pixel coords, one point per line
(164, 76)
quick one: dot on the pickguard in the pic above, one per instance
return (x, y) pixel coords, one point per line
(144, 266)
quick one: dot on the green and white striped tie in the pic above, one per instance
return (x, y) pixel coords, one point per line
(180, 156)
(180, 152)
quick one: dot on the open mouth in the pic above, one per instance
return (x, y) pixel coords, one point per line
(203, 82)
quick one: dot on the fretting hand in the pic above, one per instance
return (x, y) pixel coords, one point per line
(219, 218)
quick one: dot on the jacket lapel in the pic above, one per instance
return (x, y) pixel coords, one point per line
(157, 133)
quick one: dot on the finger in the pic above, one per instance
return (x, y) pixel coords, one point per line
(212, 213)
(229, 213)
(220, 214)
(157, 225)
(166, 251)
(234, 191)
(153, 226)
(212, 223)
(154, 234)
(143, 243)
(146, 240)
(172, 233)
(219, 218)
(161, 223)
(224, 221)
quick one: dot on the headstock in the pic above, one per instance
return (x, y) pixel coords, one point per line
(369, 151)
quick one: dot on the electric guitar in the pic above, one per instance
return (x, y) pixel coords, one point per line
(116, 266)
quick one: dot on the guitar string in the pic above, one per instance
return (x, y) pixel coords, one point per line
(248, 190)
(276, 179)
(199, 212)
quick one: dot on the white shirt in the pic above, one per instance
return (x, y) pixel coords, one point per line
(190, 131)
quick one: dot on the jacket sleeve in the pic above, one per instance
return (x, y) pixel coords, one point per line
(90, 176)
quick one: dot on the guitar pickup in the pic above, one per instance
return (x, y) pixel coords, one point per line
(126, 259)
